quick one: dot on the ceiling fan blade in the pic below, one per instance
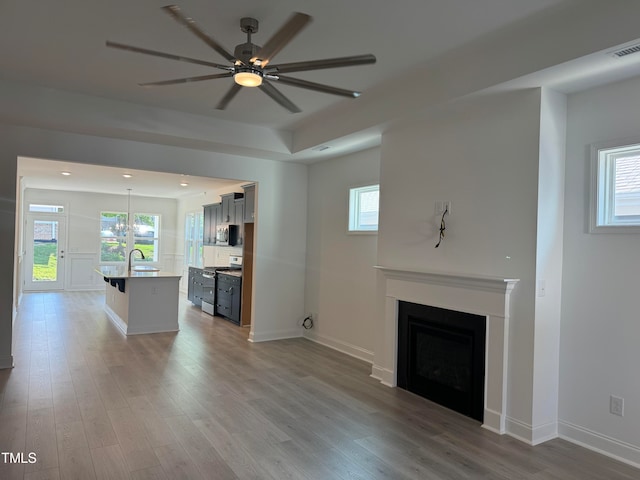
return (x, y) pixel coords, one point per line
(274, 93)
(170, 56)
(186, 80)
(318, 87)
(222, 104)
(282, 37)
(321, 64)
(188, 22)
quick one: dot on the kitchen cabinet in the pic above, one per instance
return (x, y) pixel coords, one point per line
(212, 215)
(200, 287)
(190, 284)
(238, 218)
(228, 293)
(194, 289)
(141, 301)
(228, 206)
(249, 202)
(238, 211)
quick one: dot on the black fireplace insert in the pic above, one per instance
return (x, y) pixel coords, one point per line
(441, 355)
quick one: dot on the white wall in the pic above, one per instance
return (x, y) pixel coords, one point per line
(278, 300)
(341, 282)
(482, 156)
(600, 331)
(549, 246)
(83, 228)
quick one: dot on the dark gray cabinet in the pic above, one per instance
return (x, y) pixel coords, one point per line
(228, 292)
(238, 218)
(228, 207)
(212, 214)
(194, 289)
(238, 211)
(249, 203)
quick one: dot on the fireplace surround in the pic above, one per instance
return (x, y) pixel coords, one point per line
(486, 296)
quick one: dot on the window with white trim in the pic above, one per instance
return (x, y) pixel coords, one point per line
(615, 205)
(116, 233)
(364, 204)
(193, 237)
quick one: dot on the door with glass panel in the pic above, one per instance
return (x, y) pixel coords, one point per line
(44, 252)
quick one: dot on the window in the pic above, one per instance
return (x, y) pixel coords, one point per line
(116, 233)
(615, 205)
(363, 208)
(193, 229)
(146, 235)
(33, 207)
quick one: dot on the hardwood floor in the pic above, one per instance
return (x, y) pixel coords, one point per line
(206, 404)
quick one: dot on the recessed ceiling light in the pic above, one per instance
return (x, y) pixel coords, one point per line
(66, 174)
(127, 175)
(184, 184)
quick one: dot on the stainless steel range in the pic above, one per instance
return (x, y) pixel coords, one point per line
(210, 273)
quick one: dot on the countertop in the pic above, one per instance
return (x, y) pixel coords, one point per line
(233, 273)
(120, 271)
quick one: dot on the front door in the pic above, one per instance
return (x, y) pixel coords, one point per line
(44, 252)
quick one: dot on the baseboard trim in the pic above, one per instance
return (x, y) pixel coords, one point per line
(6, 362)
(493, 421)
(544, 433)
(115, 319)
(343, 347)
(274, 335)
(519, 430)
(608, 446)
(384, 375)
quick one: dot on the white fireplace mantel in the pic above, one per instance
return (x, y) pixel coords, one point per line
(483, 295)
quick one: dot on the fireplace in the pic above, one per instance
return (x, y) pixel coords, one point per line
(441, 356)
(486, 296)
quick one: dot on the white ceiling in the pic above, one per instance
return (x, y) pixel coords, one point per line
(60, 47)
(47, 174)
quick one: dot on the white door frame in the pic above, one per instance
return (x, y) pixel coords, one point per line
(29, 284)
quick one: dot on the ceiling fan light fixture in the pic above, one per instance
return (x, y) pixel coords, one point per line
(248, 77)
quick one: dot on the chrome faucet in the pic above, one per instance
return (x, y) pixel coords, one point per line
(130, 255)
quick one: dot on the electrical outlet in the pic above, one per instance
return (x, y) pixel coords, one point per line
(616, 405)
(542, 288)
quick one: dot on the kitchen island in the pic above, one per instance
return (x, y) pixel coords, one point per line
(143, 300)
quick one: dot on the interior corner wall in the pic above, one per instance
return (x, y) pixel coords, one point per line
(279, 268)
(549, 247)
(599, 351)
(482, 156)
(341, 282)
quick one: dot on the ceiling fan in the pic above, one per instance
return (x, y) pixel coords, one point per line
(251, 64)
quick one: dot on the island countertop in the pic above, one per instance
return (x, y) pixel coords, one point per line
(141, 301)
(120, 271)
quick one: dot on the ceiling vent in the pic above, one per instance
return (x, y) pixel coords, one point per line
(623, 52)
(320, 148)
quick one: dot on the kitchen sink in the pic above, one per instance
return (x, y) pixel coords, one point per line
(145, 268)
